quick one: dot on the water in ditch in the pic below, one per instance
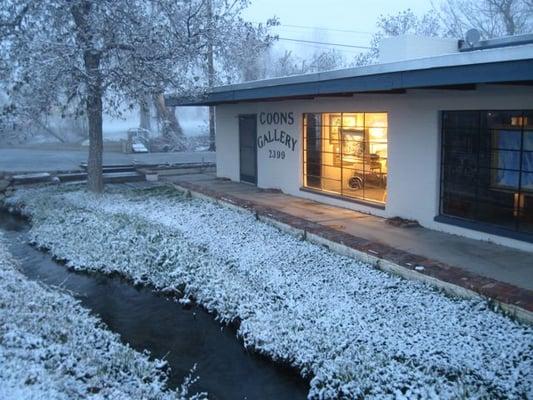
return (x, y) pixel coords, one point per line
(146, 320)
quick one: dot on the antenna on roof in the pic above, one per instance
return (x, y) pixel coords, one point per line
(472, 37)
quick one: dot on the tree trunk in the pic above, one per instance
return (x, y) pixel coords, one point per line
(212, 146)
(211, 75)
(145, 115)
(172, 130)
(81, 12)
(508, 18)
(95, 179)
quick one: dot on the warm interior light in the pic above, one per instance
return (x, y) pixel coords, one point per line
(518, 121)
(376, 132)
(353, 120)
(349, 122)
(353, 157)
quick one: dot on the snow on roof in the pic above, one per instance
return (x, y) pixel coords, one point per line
(498, 61)
(512, 53)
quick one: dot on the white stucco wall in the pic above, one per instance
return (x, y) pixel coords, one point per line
(227, 143)
(413, 147)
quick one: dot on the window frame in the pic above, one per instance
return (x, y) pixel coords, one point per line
(484, 133)
(304, 163)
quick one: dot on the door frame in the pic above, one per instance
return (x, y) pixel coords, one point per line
(248, 178)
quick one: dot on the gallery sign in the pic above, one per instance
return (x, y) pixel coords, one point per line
(275, 134)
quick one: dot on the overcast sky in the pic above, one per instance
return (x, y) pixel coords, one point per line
(328, 17)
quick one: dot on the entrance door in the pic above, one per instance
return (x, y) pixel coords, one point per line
(248, 147)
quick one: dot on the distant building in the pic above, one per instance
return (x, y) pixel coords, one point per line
(440, 132)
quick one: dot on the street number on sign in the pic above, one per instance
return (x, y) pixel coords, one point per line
(278, 154)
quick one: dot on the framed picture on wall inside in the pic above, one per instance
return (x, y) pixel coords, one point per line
(353, 143)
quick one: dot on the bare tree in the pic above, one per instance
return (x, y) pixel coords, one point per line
(145, 118)
(171, 129)
(86, 57)
(231, 47)
(244, 59)
(288, 64)
(326, 60)
(404, 22)
(492, 18)
(452, 18)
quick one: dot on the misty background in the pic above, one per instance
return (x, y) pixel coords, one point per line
(342, 22)
(288, 38)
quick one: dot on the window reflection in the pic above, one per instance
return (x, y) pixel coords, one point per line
(487, 167)
(346, 154)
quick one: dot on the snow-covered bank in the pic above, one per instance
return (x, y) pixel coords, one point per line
(357, 331)
(51, 348)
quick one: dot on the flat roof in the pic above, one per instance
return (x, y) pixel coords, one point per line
(513, 64)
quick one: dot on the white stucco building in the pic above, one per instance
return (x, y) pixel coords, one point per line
(444, 139)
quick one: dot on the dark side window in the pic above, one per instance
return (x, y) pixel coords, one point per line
(487, 167)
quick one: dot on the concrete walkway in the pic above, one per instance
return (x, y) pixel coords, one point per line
(466, 262)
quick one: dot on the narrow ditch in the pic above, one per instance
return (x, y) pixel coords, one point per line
(183, 336)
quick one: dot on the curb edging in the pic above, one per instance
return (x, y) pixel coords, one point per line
(465, 287)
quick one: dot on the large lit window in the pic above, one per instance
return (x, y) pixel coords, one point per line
(346, 154)
(487, 167)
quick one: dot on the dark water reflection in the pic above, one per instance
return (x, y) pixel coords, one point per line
(145, 320)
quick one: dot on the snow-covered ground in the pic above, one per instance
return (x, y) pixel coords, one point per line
(52, 348)
(356, 331)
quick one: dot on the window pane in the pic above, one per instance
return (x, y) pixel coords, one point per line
(488, 176)
(313, 156)
(505, 159)
(353, 120)
(527, 161)
(527, 181)
(526, 214)
(506, 139)
(376, 120)
(347, 154)
(333, 119)
(459, 206)
(501, 198)
(374, 187)
(331, 185)
(353, 182)
(528, 120)
(461, 138)
(461, 119)
(528, 140)
(375, 166)
(312, 181)
(312, 119)
(464, 162)
(504, 119)
(497, 215)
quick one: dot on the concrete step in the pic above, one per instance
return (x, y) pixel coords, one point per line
(109, 177)
(169, 171)
(113, 167)
(72, 177)
(26, 179)
(122, 177)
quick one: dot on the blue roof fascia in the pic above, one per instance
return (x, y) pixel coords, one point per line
(508, 71)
